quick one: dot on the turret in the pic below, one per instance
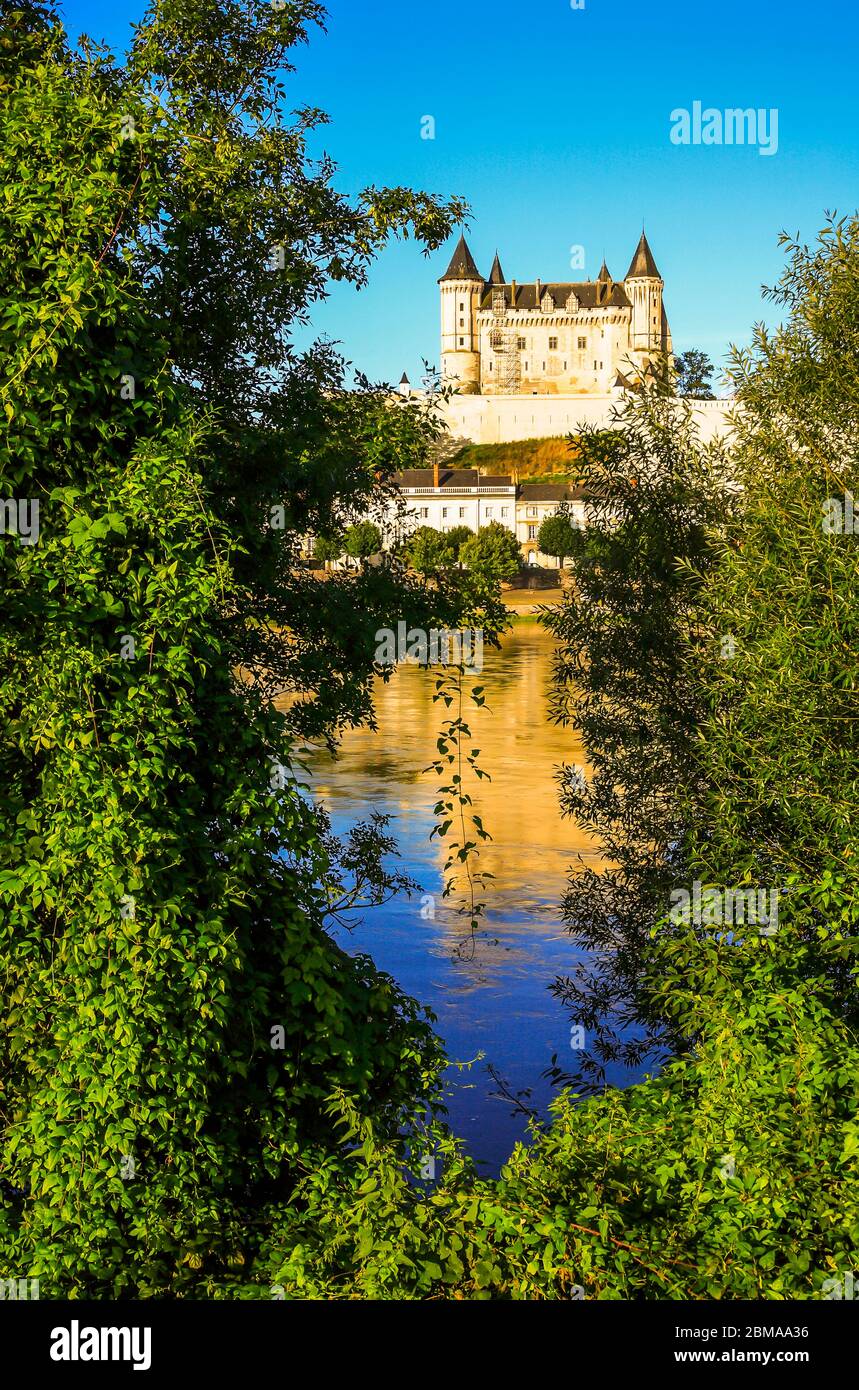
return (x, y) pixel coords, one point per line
(644, 286)
(461, 287)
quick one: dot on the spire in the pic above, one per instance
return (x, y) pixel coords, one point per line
(642, 263)
(496, 274)
(462, 265)
(604, 273)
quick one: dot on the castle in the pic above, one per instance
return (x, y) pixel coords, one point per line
(584, 338)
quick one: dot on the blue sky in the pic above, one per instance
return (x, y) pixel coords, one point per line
(554, 124)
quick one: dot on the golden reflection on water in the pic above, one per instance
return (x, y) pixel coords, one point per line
(532, 846)
(491, 996)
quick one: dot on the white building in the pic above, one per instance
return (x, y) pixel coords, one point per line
(444, 498)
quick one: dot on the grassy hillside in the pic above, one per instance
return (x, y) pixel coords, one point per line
(531, 460)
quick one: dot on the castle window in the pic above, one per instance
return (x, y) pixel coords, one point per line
(462, 323)
(521, 344)
(565, 366)
(526, 366)
(462, 342)
(544, 366)
(462, 308)
(553, 345)
(572, 301)
(499, 304)
(583, 342)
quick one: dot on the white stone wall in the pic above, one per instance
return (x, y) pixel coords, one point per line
(502, 419)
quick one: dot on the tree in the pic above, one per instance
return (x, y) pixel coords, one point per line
(170, 992)
(627, 645)
(557, 535)
(429, 552)
(327, 548)
(362, 540)
(694, 370)
(456, 537)
(493, 553)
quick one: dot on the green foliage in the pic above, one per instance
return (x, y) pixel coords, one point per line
(625, 677)
(456, 538)
(362, 540)
(326, 548)
(493, 553)
(175, 1014)
(429, 552)
(557, 535)
(200, 1094)
(731, 1175)
(693, 372)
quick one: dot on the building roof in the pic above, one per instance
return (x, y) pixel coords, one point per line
(450, 477)
(642, 262)
(462, 265)
(550, 492)
(591, 294)
(604, 273)
(496, 274)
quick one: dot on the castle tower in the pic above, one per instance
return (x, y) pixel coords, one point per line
(649, 331)
(461, 287)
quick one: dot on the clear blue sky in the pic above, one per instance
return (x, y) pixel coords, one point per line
(554, 124)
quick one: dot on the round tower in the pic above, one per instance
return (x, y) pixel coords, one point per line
(461, 287)
(644, 285)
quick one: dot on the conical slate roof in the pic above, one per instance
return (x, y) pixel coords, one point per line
(642, 262)
(462, 265)
(496, 274)
(604, 274)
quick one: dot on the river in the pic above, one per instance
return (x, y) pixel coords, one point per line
(492, 996)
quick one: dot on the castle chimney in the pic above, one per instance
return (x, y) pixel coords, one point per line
(539, 296)
(512, 294)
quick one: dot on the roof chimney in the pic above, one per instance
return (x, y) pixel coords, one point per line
(435, 474)
(512, 294)
(538, 290)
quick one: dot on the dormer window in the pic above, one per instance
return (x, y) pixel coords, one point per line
(547, 303)
(498, 302)
(573, 302)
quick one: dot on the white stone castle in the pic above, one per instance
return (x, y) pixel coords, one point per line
(500, 338)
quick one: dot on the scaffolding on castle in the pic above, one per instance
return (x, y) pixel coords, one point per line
(504, 343)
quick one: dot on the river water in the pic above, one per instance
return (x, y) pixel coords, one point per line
(490, 996)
